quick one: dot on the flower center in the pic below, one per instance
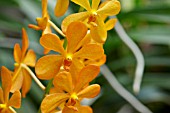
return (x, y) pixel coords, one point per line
(74, 96)
(92, 18)
(67, 62)
(3, 106)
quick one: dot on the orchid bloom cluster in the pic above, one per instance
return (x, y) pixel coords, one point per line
(76, 63)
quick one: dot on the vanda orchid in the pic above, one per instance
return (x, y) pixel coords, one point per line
(73, 57)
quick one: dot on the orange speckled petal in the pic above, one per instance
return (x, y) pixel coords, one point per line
(6, 82)
(48, 66)
(85, 109)
(52, 42)
(17, 53)
(83, 3)
(90, 91)
(72, 18)
(61, 7)
(110, 23)
(30, 58)
(52, 101)
(111, 7)
(73, 37)
(26, 83)
(15, 100)
(25, 42)
(63, 81)
(86, 75)
(90, 51)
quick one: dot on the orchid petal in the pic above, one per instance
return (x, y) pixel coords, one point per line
(99, 32)
(1, 96)
(73, 37)
(50, 102)
(63, 81)
(95, 4)
(48, 66)
(75, 68)
(17, 81)
(15, 100)
(6, 82)
(30, 58)
(83, 3)
(110, 24)
(86, 75)
(26, 83)
(25, 42)
(97, 62)
(17, 53)
(90, 91)
(61, 7)
(90, 51)
(72, 18)
(52, 42)
(44, 8)
(85, 109)
(109, 8)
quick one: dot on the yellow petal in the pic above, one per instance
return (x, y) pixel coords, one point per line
(111, 7)
(95, 4)
(72, 18)
(90, 51)
(6, 82)
(97, 62)
(17, 81)
(44, 7)
(86, 75)
(25, 42)
(63, 81)
(61, 7)
(48, 66)
(50, 102)
(75, 68)
(85, 109)
(1, 96)
(17, 53)
(90, 91)
(110, 23)
(84, 41)
(83, 3)
(99, 32)
(26, 83)
(15, 100)
(73, 37)
(52, 42)
(30, 58)
(55, 90)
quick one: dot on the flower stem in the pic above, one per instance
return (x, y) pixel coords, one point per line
(137, 53)
(33, 76)
(12, 110)
(122, 91)
(56, 28)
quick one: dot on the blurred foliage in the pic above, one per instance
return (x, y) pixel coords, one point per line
(147, 22)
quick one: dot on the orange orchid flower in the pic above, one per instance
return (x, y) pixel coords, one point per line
(61, 7)
(21, 78)
(48, 66)
(42, 21)
(72, 93)
(6, 104)
(93, 17)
